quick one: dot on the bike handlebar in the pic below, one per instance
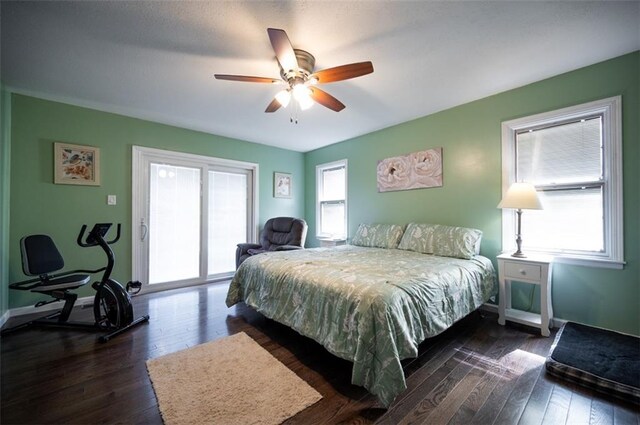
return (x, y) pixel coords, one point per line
(99, 231)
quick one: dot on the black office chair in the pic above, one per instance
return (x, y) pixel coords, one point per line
(278, 234)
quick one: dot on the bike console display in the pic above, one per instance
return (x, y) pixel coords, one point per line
(99, 229)
(97, 233)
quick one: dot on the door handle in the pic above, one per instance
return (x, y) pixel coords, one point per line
(144, 230)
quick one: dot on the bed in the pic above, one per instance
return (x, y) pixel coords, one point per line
(369, 305)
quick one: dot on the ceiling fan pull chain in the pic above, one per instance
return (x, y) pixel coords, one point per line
(293, 118)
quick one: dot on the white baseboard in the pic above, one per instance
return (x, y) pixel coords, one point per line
(489, 307)
(555, 322)
(31, 309)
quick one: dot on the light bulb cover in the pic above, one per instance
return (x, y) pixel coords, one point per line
(305, 102)
(283, 97)
(300, 91)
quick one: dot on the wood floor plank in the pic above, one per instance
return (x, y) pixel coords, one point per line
(601, 413)
(63, 376)
(488, 365)
(463, 416)
(514, 405)
(558, 406)
(415, 396)
(517, 362)
(536, 405)
(624, 416)
(432, 399)
(579, 409)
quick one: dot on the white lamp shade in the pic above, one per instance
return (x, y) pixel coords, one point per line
(522, 196)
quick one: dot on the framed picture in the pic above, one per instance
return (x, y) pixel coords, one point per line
(282, 185)
(76, 164)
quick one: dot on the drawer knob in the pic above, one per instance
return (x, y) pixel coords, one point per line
(523, 272)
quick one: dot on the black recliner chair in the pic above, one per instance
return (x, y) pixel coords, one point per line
(278, 234)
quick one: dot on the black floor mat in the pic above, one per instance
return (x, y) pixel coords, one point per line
(603, 360)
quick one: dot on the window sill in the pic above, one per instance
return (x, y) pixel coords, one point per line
(589, 262)
(331, 242)
(329, 238)
(581, 261)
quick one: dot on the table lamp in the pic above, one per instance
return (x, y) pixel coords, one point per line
(520, 196)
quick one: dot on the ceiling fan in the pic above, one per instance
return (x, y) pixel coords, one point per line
(296, 71)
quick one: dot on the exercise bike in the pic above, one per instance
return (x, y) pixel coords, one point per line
(112, 309)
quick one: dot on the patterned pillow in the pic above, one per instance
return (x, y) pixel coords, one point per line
(445, 241)
(378, 235)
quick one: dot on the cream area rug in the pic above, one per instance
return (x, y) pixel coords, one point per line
(228, 381)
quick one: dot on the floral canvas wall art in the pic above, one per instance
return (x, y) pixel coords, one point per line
(75, 164)
(417, 170)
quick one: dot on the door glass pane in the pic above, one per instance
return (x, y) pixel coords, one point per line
(332, 219)
(227, 219)
(571, 220)
(174, 223)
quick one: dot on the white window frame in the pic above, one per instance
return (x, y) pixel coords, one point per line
(611, 111)
(319, 189)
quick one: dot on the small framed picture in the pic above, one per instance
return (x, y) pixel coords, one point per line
(76, 164)
(282, 184)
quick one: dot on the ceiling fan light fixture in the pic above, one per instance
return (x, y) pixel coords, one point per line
(298, 76)
(300, 92)
(283, 97)
(305, 102)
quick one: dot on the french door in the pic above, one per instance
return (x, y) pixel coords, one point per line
(189, 213)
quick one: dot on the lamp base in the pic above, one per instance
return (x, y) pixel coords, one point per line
(518, 253)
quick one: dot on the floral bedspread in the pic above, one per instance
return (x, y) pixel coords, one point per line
(371, 306)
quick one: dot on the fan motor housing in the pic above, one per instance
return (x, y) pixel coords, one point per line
(306, 62)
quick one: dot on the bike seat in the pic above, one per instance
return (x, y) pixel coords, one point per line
(62, 283)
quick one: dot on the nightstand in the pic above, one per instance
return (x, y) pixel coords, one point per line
(534, 269)
(330, 243)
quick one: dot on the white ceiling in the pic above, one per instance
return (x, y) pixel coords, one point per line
(156, 60)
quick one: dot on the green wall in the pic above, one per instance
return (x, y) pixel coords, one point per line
(470, 135)
(5, 167)
(39, 206)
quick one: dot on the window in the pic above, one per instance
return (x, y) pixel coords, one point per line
(573, 156)
(331, 196)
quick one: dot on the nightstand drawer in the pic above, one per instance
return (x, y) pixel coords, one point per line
(521, 271)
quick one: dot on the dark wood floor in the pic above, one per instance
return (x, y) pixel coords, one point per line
(476, 372)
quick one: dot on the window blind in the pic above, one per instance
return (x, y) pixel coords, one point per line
(561, 154)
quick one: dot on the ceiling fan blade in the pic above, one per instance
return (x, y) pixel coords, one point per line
(326, 100)
(283, 49)
(273, 106)
(343, 72)
(247, 79)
